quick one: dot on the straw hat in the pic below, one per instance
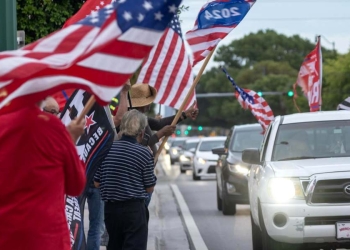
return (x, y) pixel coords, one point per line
(141, 94)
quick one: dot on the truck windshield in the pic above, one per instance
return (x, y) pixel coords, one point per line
(323, 139)
(246, 139)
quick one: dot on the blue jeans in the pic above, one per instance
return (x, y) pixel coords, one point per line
(95, 205)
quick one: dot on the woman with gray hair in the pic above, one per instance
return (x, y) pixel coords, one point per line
(125, 177)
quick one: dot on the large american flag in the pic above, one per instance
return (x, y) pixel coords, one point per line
(168, 68)
(215, 20)
(97, 54)
(249, 99)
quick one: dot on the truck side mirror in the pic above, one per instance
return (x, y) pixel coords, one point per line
(251, 156)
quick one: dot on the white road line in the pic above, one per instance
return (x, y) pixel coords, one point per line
(192, 228)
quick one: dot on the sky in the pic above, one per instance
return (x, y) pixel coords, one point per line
(306, 18)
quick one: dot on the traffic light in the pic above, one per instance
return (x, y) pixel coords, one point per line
(186, 132)
(290, 93)
(200, 128)
(189, 127)
(260, 93)
(178, 132)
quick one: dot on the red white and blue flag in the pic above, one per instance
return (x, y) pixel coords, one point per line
(310, 78)
(249, 99)
(97, 54)
(215, 20)
(168, 68)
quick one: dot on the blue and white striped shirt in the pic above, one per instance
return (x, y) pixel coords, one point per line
(126, 171)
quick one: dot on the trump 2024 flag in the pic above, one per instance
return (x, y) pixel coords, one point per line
(310, 78)
(215, 20)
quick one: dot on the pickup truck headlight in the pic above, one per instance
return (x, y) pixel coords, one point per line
(175, 152)
(283, 189)
(238, 169)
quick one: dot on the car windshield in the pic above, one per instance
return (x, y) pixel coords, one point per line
(190, 145)
(246, 139)
(209, 145)
(312, 140)
(177, 143)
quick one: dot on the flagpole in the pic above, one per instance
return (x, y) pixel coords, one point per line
(179, 112)
(86, 109)
(320, 69)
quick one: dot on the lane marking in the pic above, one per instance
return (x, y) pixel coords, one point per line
(192, 228)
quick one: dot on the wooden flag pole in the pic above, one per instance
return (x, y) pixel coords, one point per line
(179, 112)
(86, 109)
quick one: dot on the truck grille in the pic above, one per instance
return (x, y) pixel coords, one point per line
(331, 191)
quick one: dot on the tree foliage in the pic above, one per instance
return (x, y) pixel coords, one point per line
(40, 18)
(268, 62)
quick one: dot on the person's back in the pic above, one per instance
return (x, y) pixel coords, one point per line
(38, 165)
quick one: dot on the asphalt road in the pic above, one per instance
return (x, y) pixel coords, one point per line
(218, 231)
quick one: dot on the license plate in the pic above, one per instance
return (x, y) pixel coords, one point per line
(342, 230)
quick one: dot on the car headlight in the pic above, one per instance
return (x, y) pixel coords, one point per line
(283, 189)
(238, 169)
(174, 150)
(201, 161)
(184, 158)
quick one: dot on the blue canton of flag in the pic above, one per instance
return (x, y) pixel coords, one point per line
(245, 96)
(152, 14)
(175, 25)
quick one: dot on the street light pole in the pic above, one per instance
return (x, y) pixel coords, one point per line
(8, 25)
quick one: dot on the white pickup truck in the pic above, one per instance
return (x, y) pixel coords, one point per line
(299, 183)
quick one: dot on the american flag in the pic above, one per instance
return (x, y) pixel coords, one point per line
(168, 68)
(249, 99)
(215, 20)
(97, 54)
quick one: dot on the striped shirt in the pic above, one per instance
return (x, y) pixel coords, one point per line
(126, 171)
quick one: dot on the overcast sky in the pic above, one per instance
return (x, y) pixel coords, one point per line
(307, 18)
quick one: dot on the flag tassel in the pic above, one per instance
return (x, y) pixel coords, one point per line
(179, 112)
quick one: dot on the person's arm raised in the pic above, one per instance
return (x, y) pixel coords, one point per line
(123, 104)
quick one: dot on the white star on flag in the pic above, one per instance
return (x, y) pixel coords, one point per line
(127, 16)
(140, 17)
(172, 9)
(147, 5)
(158, 16)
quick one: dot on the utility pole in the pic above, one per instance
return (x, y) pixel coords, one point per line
(8, 25)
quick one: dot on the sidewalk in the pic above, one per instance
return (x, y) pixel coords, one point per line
(165, 230)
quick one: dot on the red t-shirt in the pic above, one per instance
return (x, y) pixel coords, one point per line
(39, 164)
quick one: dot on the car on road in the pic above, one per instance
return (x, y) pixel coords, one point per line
(186, 157)
(204, 161)
(231, 171)
(299, 183)
(175, 148)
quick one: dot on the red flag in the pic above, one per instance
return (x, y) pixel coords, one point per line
(310, 78)
(88, 7)
(168, 68)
